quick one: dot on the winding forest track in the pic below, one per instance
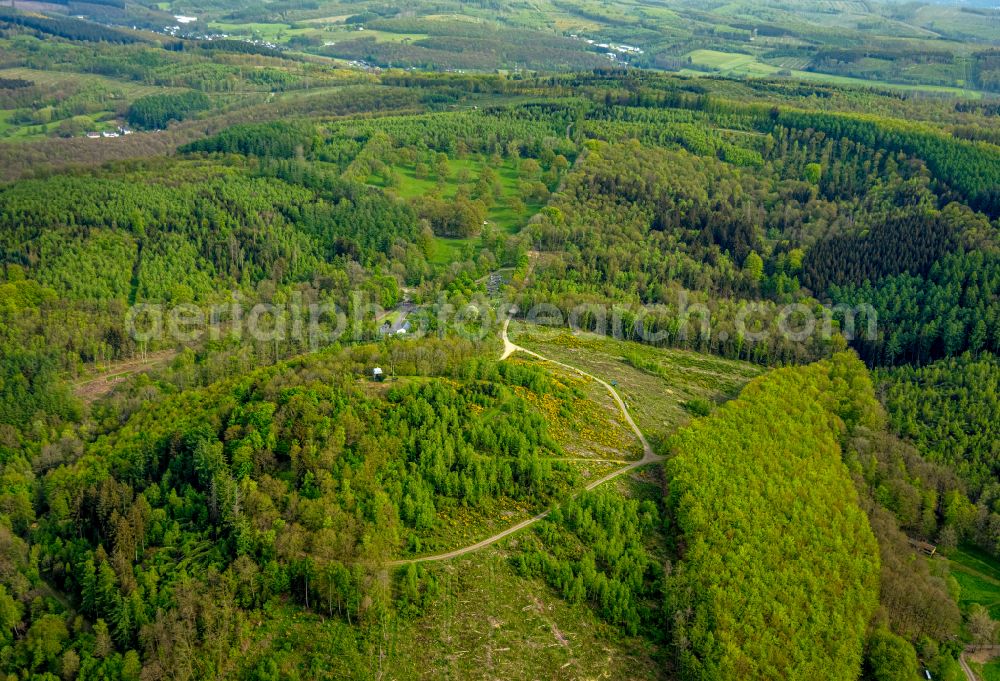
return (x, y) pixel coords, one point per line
(648, 457)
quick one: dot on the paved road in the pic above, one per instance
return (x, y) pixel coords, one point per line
(648, 456)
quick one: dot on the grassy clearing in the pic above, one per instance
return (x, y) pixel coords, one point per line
(987, 672)
(655, 383)
(488, 622)
(722, 61)
(450, 250)
(978, 577)
(506, 212)
(975, 560)
(501, 213)
(591, 426)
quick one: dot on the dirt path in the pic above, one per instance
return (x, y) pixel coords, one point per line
(965, 667)
(509, 348)
(101, 384)
(648, 457)
(986, 652)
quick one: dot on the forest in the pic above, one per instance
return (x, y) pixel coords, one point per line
(204, 480)
(818, 257)
(737, 610)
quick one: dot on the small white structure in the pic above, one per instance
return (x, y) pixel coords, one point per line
(94, 135)
(377, 374)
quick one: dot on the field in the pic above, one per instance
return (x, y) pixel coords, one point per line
(655, 383)
(989, 671)
(738, 65)
(979, 578)
(509, 211)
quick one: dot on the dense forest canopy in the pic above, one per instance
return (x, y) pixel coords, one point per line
(779, 570)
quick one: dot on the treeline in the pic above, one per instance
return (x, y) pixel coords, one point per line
(953, 310)
(592, 550)
(986, 69)
(907, 243)
(755, 596)
(934, 497)
(903, 495)
(970, 169)
(15, 83)
(951, 411)
(531, 131)
(907, 496)
(240, 228)
(278, 139)
(156, 111)
(67, 27)
(238, 46)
